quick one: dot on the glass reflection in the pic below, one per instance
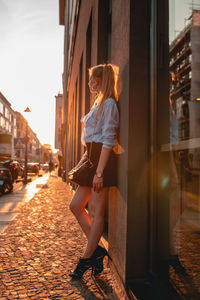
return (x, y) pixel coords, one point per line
(184, 109)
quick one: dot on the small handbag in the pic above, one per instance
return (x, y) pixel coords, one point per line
(80, 173)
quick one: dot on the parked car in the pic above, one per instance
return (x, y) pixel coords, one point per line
(6, 180)
(19, 168)
(45, 167)
(15, 168)
(32, 168)
(22, 164)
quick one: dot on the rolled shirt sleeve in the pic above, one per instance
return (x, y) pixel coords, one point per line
(110, 118)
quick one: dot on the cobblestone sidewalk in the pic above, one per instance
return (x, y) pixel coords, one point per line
(42, 245)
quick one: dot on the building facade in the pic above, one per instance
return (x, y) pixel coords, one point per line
(58, 120)
(8, 130)
(185, 77)
(13, 128)
(34, 145)
(152, 213)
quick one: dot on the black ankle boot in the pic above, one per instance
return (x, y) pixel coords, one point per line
(97, 258)
(83, 265)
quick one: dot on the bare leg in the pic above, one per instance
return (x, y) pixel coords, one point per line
(96, 230)
(77, 207)
(91, 209)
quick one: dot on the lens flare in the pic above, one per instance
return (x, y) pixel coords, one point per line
(165, 182)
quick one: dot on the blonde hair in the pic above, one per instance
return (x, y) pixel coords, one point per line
(109, 75)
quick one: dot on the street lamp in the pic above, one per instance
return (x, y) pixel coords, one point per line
(26, 139)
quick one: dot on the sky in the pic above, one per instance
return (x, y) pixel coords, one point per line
(31, 61)
(179, 13)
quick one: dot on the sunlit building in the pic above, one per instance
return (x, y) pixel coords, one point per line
(152, 217)
(34, 145)
(58, 121)
(47, 153)
(185, 77)
(8, 130)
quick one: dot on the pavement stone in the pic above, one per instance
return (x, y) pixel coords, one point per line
(42, 245)
(185, 277)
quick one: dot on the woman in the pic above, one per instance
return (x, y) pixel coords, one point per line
(99, 136)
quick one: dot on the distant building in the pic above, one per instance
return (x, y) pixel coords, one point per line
(47, 153)
(185, 78)
(8, 130)
(34, 146)
(58, 122)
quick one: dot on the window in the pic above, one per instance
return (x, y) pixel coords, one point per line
(3, 122)
(1, 108)
(15, 132)
(6, 113)
(7, 125)
(184, 223)
(60, 113)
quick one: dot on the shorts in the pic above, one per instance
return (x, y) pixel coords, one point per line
(110, 171)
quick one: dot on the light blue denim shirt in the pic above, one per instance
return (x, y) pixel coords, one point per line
(106, 125)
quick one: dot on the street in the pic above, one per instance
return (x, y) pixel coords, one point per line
(10, 203)
(42, 245)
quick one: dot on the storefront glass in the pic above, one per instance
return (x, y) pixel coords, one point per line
(184, 109)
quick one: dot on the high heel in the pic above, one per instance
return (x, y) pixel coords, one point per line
(83, 265)
(98, 257)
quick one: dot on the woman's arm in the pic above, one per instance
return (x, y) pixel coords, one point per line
(103, 159)
(110, 123)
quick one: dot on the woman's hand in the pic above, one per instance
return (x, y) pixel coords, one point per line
(97, 183)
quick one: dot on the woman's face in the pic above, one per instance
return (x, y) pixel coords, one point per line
(94, 84)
